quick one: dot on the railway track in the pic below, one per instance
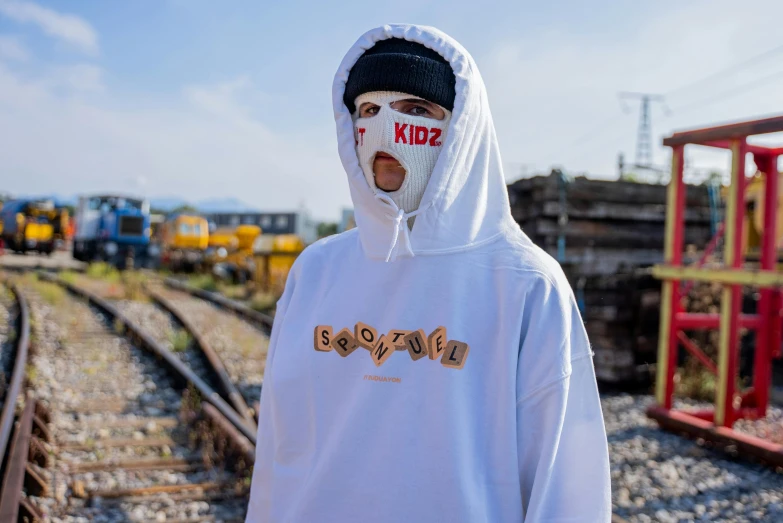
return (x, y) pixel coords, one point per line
(240, 341)
(227, 349)
(135, 435)
(259, 319)
(15, 333)
(172, 328)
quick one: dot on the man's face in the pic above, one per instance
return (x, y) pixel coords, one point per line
(389, 174)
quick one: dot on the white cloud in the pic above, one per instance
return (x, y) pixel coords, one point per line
(66, 27)
(205, 144)
(84, 78)
(11, 48)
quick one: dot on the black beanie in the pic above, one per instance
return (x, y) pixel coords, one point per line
(399, 65)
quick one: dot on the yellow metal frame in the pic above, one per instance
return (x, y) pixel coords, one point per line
(666, 291)
(726, 276)
(727, 296)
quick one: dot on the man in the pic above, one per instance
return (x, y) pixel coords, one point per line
(430, 365)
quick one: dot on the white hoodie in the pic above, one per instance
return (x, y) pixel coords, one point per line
(497, 421)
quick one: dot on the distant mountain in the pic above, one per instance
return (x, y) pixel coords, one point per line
(167, 203)
(224, 205)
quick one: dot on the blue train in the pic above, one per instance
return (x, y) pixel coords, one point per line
(114, 229)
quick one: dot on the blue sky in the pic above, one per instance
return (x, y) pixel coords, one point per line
(202, 99)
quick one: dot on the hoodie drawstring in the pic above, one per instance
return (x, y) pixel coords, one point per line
(400, 220)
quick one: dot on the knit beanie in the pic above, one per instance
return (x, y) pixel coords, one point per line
(402, 66)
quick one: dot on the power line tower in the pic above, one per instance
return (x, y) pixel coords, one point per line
(644, 150)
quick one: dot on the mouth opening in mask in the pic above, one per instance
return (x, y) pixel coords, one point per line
(389, 173)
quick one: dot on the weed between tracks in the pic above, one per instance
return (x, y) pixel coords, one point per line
(180, 340)
(51, 293)
(233, 292)
(263, 302)
(215, 448)
(69, 277)
(134, 282)
(255, 299)
(113, 284)
(204, 282)
(191, 404)
(103, 271)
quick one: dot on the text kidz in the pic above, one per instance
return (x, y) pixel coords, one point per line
(410, 135)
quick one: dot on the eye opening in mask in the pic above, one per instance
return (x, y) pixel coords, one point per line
(409, 106)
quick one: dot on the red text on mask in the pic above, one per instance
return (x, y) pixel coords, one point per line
(416, 135)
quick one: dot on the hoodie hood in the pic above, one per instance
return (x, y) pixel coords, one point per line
(466, 202)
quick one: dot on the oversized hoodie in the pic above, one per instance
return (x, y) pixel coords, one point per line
(434, 374)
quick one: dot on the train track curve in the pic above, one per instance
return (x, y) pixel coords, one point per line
(114, 449)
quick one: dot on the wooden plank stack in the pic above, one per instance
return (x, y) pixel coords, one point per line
(609, 233)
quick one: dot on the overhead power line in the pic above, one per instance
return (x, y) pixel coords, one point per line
(729, 93)
(731, 69)
(644, 140)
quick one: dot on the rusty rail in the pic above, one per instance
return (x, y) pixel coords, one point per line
(17, 375)
(261, 320)
(12, 505)
(229, 390)
(147, 342)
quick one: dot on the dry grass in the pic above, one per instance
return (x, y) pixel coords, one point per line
(693, 380)
(133, 283)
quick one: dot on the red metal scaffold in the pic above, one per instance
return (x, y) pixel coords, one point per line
(730, 404)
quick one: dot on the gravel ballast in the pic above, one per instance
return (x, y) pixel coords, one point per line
(661, 477)
(113, 403)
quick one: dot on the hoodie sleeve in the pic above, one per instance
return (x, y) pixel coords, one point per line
(562, 447)
(262, 468)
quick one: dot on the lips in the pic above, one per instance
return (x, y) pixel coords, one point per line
(385, 157)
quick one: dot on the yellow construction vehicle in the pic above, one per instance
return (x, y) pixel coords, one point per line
(27, 225)
(60, 218)
(273, 257)
(219, 243)
(184, 240)
(233, 252)
(754, 214)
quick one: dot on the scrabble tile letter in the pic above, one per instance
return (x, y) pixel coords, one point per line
(436, 342)
(365, 335)
(455, 354)
(397, 338)
(323, 337)
(416, 343)
(382, 351)
(344, 343)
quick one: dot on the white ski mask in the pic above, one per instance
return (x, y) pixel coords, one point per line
(414, 141)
